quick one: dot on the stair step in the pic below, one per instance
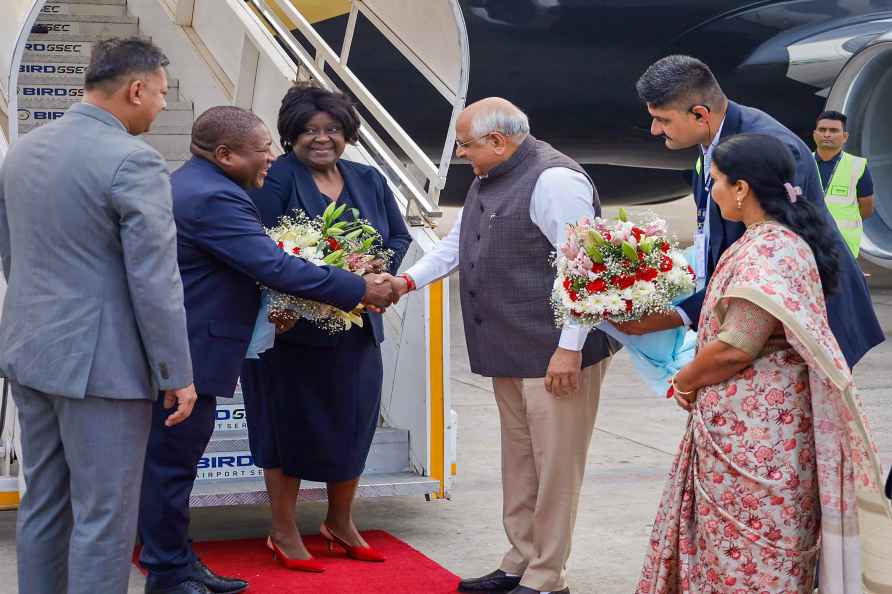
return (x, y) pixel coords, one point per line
(41, 51)
(57, 94)
(175, 118)
(252, 490)
(71, 65)
(172, 144)
(117, 2)
(228, 456)
(66, 74)
(51, 19)
(64, 28)
(77, 9)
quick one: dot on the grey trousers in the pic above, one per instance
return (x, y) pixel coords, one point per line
(82, 462)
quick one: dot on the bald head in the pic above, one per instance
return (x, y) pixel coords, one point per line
(495, 114)
(488, 132)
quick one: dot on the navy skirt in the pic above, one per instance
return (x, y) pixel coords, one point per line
(312, 411)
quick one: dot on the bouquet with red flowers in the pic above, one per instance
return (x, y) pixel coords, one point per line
(618, 271)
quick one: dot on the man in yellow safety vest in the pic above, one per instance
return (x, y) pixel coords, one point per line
(848, 185)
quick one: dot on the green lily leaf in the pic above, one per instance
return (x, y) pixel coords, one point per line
(333, 257)
(326, 215)
(629, 252)
(594, 254)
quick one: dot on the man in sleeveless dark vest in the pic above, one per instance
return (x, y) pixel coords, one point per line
(547, 380)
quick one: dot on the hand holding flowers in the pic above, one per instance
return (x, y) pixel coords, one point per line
(351, 245)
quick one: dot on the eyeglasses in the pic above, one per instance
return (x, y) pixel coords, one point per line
(461, 145)
(329, 131)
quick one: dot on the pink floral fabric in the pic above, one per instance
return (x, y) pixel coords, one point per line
(768, 469)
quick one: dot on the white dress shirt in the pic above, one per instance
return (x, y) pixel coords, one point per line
(561, 196)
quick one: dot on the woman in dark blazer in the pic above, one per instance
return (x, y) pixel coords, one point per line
(312, 401)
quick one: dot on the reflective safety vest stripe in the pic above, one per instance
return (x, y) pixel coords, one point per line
(841, 196)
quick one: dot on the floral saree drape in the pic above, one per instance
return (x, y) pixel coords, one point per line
(777, 466)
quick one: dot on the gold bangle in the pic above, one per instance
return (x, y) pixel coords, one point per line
(680, 391)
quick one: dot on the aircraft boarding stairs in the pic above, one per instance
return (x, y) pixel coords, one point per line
(409, 456)
(51, 77)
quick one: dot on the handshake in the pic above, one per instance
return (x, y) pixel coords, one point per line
(383, 290)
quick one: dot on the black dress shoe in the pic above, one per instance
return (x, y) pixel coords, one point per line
(525, 590)
(187, 587)
(217, 584)
(496, 581)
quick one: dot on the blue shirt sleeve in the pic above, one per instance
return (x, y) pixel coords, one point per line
(865, 184)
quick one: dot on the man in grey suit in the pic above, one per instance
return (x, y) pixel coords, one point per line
(93, 325)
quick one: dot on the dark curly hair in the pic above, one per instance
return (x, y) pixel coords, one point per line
(303, 101)
(766, 164)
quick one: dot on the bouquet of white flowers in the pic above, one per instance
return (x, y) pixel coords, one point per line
(352, 245)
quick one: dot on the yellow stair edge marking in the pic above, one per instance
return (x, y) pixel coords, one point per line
(9, 499)
(438, 418)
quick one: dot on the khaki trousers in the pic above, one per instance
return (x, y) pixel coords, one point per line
(545, 441)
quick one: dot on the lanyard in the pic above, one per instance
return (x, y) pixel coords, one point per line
(703, 196)
(832, 173)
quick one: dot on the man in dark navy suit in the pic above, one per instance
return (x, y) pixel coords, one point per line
(688, 108)
(223, 254)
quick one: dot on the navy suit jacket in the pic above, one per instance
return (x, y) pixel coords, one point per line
(290, 186)
(223, 254)
(849, 309)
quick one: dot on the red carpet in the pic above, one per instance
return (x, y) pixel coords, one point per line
(405, 571)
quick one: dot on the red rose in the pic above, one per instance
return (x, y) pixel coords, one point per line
(281, 245)
(664, 247)
(574, 296)
(637, 233)
(647, 274)
(567, 284)
(665, 264)
(333, 243)
(691, 272)
(628, 306)
(607, 236)
(598, 268)
(623, 282)
(596, 286)
(296, 251)
(577, 314)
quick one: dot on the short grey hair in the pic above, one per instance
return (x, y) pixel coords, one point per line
(508, 119)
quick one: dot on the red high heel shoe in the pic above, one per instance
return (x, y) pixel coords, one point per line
(357, 553)
(310, 564)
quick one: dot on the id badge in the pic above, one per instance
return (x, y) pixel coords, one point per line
(700, 258)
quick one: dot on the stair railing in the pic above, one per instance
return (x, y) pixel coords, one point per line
(450, 81)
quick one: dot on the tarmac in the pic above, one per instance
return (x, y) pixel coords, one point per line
(633, 446)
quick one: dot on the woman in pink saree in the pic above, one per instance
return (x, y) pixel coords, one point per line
(777, 467)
